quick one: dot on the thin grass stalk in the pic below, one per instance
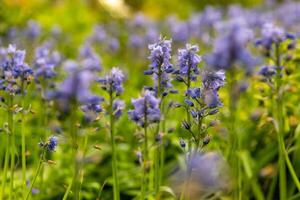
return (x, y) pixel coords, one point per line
(116, 192)
(12, 147)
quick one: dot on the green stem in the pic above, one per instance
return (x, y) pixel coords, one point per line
(42, 157)
(280, 121)
(6, 161)
(23, 142)
(234, 136)
(114, 151)
(73, 133)
(145, 156)
(12, 147)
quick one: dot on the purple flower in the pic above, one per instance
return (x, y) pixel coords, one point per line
(230, 48)
(89, 59)
(194, 93)
(45, 62)
(75, 88)
(160, 67)
(14, 71)
(146, 109)
(113, 82)
(188, 61)
(213, 80)
(118, 107)
(267, 71)
(50, 145)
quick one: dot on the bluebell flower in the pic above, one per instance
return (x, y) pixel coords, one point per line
(160, 67)
(213, 79)
(50, 145)
(113, 82)
(230, 48)
(267, 71)
(89, 59)
(145, 108)
(194, 93)
(75, 88)
(211, 98)
(33, 30)
(118, 107)
(271, 34)
(45, 62)
(14, 70)
(188, 61)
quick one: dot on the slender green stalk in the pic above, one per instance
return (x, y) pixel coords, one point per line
(235, 143)
(41, 161)
(73, 133)
(6, 162)
(283, 156)
(157, 153)
(114, 150)
(280, 121)
(23, 142)
(145, 156)
(12, 147)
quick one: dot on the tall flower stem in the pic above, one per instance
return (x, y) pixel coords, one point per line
(12, 146)
(145, 155)
(74, 137)
(6, 159)
(23, 141)
(42, 158)
(158, 150)
(280, 123)
(116, 191)
(283, 159)
(234, 142)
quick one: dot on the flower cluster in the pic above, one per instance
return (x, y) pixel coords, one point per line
(272, 34)
(50, 145)
(160, 66)
(188, 61)
(15, 73)
(45, 62)
(229, 48)
(146, 109)
(75, 89)
(113, 81)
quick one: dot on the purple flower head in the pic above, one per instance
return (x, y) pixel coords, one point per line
(146, 109)
(160, 55)
(194, 93)
(45, 62)
(89, 59)
(14, 70)
(230, 48)
(33, 29)
(272, 34)
(99, 34)
(267, 71)
(50, 145)
(213, 80)
(118, 107)
(188, 61)
(211, 98)
(113, 82)
(160, 66)
(75, 88)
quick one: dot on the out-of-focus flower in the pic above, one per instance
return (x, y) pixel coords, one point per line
(209, 174)
(113, 82)
(14, 71)
(50, 145)
(230, 48)
(145, 108)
